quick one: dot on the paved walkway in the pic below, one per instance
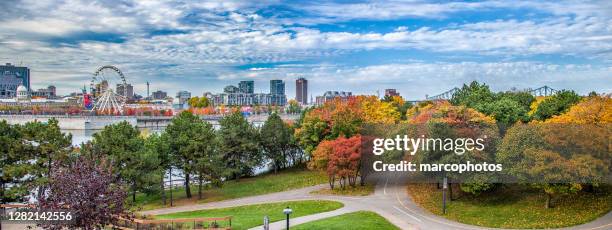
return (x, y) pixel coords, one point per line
(389, 200)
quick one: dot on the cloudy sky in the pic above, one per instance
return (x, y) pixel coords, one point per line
(415, 46)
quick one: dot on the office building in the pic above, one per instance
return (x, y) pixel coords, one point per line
(239, 96)
(183, 96)
(277, 87)
(231, 89)
(247, 86)
(128, 92)
(159, 95)
(301, 91)
(23, 73)
(8, 85)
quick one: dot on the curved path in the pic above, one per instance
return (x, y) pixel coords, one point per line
(389, 200)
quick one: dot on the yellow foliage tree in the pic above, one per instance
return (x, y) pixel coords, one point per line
(377, 111)
(593, 110)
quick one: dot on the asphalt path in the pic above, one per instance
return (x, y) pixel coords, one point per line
(389, 200)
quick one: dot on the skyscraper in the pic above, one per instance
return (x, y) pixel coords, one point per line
(247, 86)
(301, 91)
(183, 96)
(22, 73)
(277, 87)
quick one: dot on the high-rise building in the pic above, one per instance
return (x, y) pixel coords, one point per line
(8, 85)
(159, 95)
(247, 86)
(277, 87)
(230, 89)
(183, 96)
(21, 72)
(301, 91)
(391, 92)
(128, 92)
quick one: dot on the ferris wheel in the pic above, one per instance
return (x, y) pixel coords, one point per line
(106, 100)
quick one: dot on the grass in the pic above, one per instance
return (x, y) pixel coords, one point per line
(362, 220)
(516, 206)
(245, 217)
(350, 191)
(263, 184)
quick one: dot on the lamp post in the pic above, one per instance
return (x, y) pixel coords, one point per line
(287, 212)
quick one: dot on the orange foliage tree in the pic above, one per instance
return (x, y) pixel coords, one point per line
(593, 110)
(340, 158)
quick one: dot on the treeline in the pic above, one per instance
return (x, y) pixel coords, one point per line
(558, 141)
(31, 152)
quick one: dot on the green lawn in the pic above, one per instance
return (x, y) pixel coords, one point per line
(516, 206)
(350, 191)
(362, 220)
(245, 217)
(267, 183)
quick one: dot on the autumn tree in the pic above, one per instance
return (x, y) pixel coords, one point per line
(198, 102)
(94, 196)
(593, 110)
(340, 158)
(557, 158)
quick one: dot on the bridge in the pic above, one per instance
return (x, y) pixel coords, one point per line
(447, 95)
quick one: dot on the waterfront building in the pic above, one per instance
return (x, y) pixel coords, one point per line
(277, 87)
(183, 97)
(247, 86)
(159, 95)
(391, 92)
(23, 73)
(331, 95)
(301, 91)
(237, 96)
(48, 92)
(8, 85)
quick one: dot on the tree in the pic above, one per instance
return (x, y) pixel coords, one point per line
(198, 102)
(555, 158)
(505, 111)
(44, 146)
(473, 94)
(399, 103)
(122, 144)
(94, 196)
(276, 140)
(238, 142)
(293, 107)
(345, 160)
(556, 104)
(191, 144)
(593, 110)
(11, 153)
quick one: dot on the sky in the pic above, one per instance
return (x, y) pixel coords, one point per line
(417, 47)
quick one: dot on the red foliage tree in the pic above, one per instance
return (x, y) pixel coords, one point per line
(345, 161)
(89, 191)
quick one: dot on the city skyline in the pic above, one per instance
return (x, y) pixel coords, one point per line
(415, 47)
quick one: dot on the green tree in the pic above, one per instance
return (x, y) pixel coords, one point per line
(505, 111)
(11, 152)
(556, 104)
(132, 163)
(45, 146)
(276, 141)
(238, 141)
(472, 95)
